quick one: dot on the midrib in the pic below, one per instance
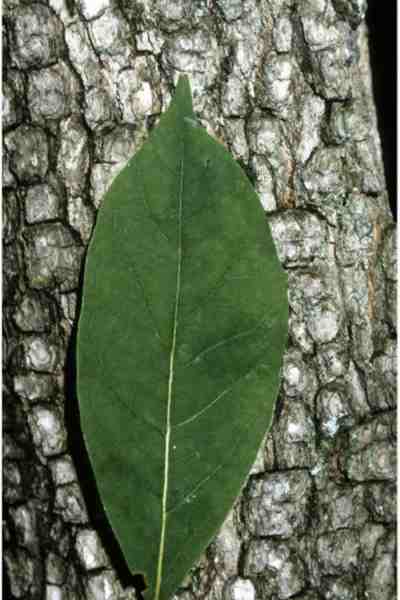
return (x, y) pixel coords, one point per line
(169, 399)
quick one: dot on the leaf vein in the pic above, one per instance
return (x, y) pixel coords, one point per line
(219, 284)
(227, 340)
(135, 415)
(157, 154)
(151, 215)
(205, 479)
(147, 304)
(170, 384)
(221, 395)
(196, 488)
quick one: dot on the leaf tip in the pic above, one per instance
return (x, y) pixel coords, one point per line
(183, 96)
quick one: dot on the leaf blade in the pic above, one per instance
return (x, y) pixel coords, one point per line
(177, 327)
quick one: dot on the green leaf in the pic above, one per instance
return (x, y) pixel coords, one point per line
(181, 335)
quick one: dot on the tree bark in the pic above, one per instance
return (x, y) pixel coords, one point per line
(286, 86)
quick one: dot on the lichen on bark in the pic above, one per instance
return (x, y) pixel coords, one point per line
(286, 86)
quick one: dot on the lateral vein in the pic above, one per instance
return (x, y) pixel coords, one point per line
(169, 399)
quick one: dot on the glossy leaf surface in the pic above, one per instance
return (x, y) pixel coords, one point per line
(181, 335)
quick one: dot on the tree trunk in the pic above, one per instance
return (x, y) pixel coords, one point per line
(286, 86)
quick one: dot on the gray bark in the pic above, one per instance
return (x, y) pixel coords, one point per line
(286, 86)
